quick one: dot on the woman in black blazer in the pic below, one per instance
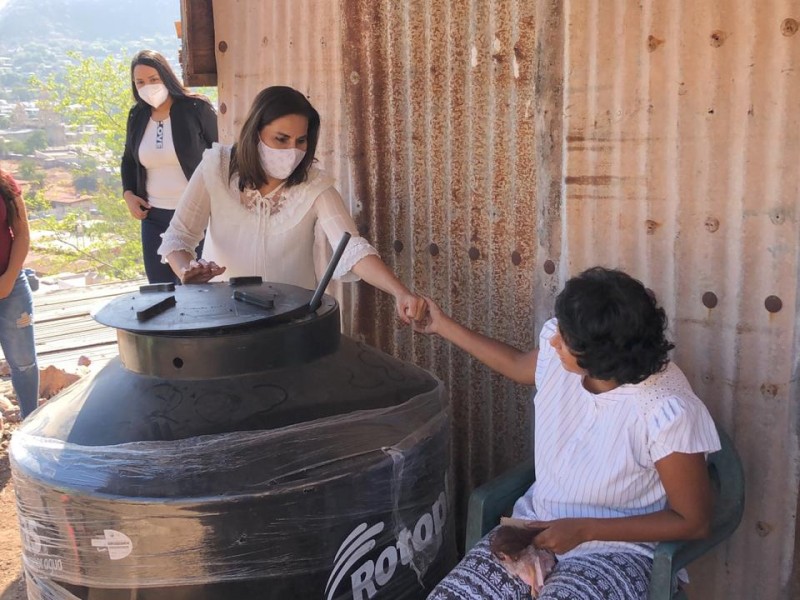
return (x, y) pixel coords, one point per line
(169, 128)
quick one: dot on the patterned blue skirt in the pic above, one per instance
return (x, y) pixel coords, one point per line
(610, 576)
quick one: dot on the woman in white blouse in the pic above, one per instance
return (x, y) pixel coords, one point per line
(264, 205)
(619, 444)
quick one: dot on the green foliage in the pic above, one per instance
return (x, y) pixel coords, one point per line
(111, 244)
(14, 147)
(30, 172)
(85, 184)
(35, 141)
(94, 95)
(212, 93)
(36, 202)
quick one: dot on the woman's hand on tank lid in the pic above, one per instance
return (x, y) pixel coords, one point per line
(201, 271)
(137, 206)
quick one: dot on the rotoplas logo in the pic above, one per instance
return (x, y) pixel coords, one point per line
(367, 577)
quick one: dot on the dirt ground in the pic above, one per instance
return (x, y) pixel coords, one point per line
(12, 585)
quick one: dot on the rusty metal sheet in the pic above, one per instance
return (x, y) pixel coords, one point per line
(680, 167)
(445, 169)
(490, 150)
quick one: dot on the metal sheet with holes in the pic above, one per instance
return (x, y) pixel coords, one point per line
(492, 149)
(680, 166)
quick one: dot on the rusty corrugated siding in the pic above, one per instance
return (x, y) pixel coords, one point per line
(492, 149)
(446, 174)
(680, 165)
(428, 108)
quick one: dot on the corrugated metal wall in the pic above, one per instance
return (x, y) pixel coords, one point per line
(491, 149)
(427, 121)
(681, 165)
(441, 101)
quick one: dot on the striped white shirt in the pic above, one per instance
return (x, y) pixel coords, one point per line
(595, 453)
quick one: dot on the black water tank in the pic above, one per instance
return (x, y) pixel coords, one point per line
(236, 451)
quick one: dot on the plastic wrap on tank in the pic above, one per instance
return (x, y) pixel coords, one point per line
(242, 506)
(236, 451)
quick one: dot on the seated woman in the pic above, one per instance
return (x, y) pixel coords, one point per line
(267, 210)
(620, 444)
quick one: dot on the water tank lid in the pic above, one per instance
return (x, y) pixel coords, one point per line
(167, 309)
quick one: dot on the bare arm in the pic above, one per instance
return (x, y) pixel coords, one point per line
(687, 516)
(375, 272)
(186, 230)
(335, 220)
(19, 247)
(515, 364)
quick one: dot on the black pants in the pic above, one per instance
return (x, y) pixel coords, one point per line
(153, 226)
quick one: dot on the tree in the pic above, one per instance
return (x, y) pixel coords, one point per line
(37, 140)
(103, 243)
(30, 172)
(94, 96)
(36, 202)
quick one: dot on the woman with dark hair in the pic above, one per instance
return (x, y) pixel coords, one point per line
(16, 300)
(268, 210)
(168, 129)
(620, 443)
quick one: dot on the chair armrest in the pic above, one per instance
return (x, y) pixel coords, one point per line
(671, 557)
(490, 501)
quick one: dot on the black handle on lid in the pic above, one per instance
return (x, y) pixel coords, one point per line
(316, 299)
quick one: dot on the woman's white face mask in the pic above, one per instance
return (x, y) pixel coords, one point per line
(155, 94)
(279, 163)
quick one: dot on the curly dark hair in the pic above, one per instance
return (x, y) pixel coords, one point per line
(613, 326)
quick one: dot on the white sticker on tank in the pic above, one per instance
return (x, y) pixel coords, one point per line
(117, 544)
(30, 535)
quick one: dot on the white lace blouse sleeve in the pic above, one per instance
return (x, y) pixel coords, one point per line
(334, 219)
(190, 220)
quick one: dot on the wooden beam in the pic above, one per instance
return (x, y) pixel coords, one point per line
(198, 58)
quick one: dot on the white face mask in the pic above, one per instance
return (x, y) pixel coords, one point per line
(155, 94)
(279, 164)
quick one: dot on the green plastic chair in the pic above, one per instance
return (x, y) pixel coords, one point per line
(492, 500)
